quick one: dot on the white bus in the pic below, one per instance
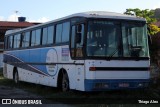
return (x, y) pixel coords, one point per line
(90, 51)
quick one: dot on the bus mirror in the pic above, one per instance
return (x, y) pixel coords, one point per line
(135, 51)
(78, 38)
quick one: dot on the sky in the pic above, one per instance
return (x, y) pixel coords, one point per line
(46, 10)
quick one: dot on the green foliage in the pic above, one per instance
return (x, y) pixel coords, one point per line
(148, 15)
(157, 13)
(153, 29)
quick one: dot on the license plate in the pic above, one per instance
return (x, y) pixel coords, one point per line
(123, 85)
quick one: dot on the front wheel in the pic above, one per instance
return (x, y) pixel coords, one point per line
(65, 82)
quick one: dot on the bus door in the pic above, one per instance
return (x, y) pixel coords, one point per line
(77, 54)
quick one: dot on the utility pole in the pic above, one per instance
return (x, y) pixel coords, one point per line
(16, 12)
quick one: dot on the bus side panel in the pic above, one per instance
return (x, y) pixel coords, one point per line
(5, 70)
(89, 75)
(35, 66)
(80, 72)
(8, 71)
(73, 68)
(32, 77)
(71, 72)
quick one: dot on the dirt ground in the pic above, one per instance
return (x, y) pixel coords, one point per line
(11, 93)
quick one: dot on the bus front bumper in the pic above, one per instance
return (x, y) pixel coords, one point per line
(115, 84)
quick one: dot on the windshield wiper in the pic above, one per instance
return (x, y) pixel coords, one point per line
(112, 54)
(134, 52)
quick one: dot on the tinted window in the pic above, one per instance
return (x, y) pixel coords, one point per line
(10, 42)
(33, 40)
(79, 46)
(25, 39)
(134, 40)
(58, 33)
(5, 43)
(17, 41)
(102, 39)
(36, 36)
(62, 32)
(48, 33)
(65, 33)
(45, 36)
(73, 41)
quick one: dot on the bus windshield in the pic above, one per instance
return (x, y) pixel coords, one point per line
(117, 39)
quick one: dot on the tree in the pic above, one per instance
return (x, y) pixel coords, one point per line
(153, 29)
(157, 13)
(148, 15)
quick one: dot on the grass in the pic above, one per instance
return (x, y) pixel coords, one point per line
(45, 91)
(4, 81)
(53, 93)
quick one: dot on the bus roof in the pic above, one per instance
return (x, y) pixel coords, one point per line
(105, 14)
(90, 14)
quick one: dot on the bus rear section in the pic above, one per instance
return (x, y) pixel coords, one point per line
(113, 75)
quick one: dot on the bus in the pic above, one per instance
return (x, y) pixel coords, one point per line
(88, 51)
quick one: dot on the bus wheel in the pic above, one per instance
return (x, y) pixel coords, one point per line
(16, 77)
(65, 82)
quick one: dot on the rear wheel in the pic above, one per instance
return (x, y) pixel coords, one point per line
(16, 77)
(65, 82)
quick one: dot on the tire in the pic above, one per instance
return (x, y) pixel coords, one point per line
(16, 77)
(65, 83)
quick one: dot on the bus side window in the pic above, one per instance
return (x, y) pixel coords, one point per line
(10, 42)
(73, 34)
(59, 33)
(50, 35)
(36, 37)
(79, 45)
(62, 32)
(65, 32)
(5, 43)
(25, 39)
(17, 39)
(47, 36)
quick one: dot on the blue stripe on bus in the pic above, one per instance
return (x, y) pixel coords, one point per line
(13, 60)
(113, 84)
(36, 58)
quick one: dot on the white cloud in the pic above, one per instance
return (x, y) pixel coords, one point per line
(157, 6)
(41, 20)
(13, 17)
(1, 18)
